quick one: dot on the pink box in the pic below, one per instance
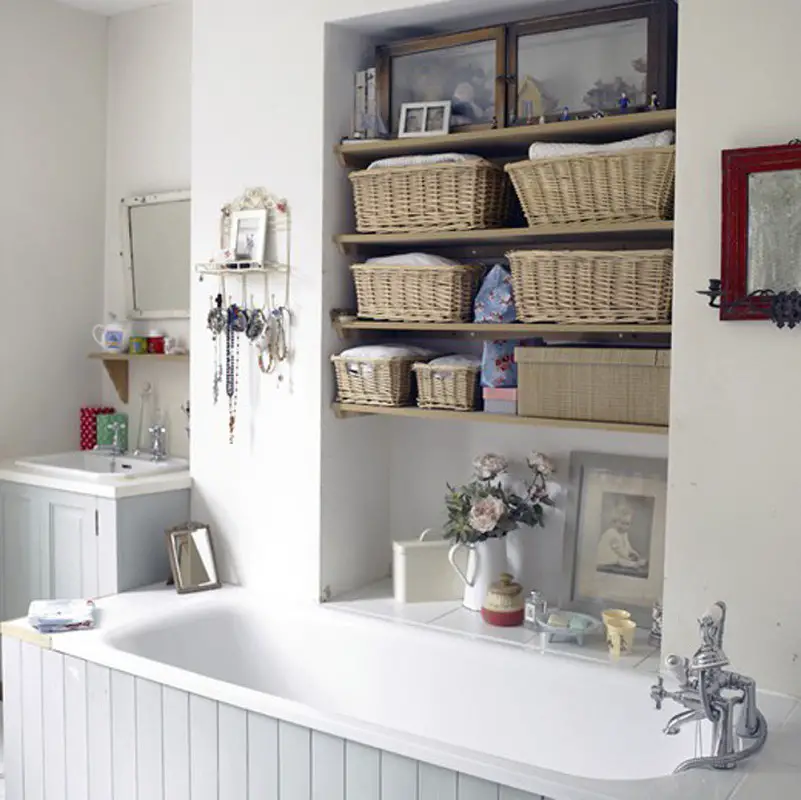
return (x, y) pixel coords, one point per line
(509, 395)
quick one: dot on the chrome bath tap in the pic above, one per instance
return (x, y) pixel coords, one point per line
(709, 692)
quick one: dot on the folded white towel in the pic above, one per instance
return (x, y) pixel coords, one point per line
(417, 161)
(413, 260)
(370, 351)
(556, 149)
(55, 616)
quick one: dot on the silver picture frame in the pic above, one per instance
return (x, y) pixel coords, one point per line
(614, 551)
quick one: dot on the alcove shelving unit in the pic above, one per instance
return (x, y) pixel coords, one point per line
(501, 146)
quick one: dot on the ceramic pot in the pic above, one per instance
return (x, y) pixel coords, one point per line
(485, 562)
(504, 605)
(113, 337)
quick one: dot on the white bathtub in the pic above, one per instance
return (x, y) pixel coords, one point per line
(554, 727)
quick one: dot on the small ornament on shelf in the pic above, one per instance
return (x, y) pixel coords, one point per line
(597, 114)
(655, 636)
(565, 115)
(623, 103)
(542, 120)
(653, 103)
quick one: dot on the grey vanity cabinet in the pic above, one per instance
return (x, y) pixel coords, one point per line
(57, 544)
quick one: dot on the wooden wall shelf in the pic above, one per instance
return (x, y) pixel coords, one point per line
(116, 365)
(661, 230)
(505, 142)
(346, 324)
(344, 410)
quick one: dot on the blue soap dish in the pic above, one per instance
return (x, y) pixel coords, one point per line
(583, 625)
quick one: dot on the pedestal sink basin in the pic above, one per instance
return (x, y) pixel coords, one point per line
(97, 466)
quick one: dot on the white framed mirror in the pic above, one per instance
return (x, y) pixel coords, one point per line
(156, 254)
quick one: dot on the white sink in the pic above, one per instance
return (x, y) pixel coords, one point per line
(95, 466)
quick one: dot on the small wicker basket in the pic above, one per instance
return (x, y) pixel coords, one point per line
(416, 293)
(434, 197)
(374, 381)
(575, 286)
(452, 387)
(624, 186)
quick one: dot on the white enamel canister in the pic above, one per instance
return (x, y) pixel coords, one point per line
(421, 571)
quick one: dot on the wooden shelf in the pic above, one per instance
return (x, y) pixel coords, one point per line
(116, 365)
(504, 142)
(515, 330)
(511, 237)
(344, 410)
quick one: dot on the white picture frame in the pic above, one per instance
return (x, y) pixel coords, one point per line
(615, 534)
(248, 235)
(425, 119)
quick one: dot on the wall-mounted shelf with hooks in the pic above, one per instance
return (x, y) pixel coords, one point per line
(239, 269)
(116, 365)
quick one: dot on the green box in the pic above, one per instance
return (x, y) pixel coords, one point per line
(105, 435)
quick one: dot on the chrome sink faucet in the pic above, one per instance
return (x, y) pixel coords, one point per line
(709, 692)
(158, 442)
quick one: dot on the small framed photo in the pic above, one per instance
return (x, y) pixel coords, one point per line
(615, 533)
(425, 119)
(248, 238)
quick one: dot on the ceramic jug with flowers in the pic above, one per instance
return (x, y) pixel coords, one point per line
(480, 516)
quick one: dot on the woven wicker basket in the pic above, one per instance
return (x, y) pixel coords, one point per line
(449, 387)
(592, 286)
(374, 381)
(625, 186)
(440, 197)
(598, 384)
(416, 293)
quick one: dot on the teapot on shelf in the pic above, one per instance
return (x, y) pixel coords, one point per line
(114, 336)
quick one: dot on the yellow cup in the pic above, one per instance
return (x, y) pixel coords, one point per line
(620, 637)
(614, 615)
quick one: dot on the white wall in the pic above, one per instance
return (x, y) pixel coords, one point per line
(733, 530)
(149, 150)
(52, 154)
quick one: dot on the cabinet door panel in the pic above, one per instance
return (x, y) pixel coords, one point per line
(72, 536)
(22, 576)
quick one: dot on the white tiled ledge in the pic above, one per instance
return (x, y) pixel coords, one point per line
(449, 616)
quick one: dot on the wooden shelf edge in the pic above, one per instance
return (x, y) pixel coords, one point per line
(358, 154)
(117, 367)
(345, 323)
(345, 410)
(507, 235)
(142, 357)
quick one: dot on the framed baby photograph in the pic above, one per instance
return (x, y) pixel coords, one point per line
(615, 533)
(425, 119)
(248, 236)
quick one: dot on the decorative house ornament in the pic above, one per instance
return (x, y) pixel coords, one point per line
(761, 238)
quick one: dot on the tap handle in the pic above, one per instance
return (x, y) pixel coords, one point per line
(658, 692)
(677, 667)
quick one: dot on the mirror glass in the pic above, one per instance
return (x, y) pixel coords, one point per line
(192, 559)
(156, 249)
(774, 230)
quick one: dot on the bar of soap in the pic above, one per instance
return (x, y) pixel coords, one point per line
(557, 621)
(578, 624)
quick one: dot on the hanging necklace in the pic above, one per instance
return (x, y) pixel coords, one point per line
(237, 323)
(216, 323)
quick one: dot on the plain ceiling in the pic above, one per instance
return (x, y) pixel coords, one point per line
(111, 7)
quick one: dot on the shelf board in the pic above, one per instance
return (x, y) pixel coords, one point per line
(662, 229)
(117, 364)
(344, 410)
(514, 330)
(510, 141)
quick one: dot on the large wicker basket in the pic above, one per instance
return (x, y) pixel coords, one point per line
(629, 386)
(433, 197)
(592, 286)
(374, 381)
(416, 293)
(449, 387)
(624, 186)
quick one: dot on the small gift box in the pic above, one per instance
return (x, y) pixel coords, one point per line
(88, 430)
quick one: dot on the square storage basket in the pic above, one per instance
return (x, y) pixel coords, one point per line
(374, 381)
(464, 196)
(576, 286)
(624, 186)
(454, 388)
(600, 385)
(416, 293)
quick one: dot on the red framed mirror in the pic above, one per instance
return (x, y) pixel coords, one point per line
(761, 245)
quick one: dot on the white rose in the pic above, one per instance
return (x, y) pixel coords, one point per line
(485, 514)
(489, 466)
(541, 464)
